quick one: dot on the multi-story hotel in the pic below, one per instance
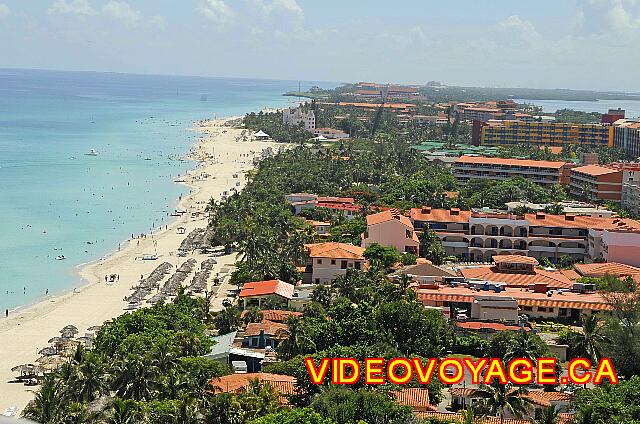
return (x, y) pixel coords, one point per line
(543, 133)
(626, 136)
(298, 117)
(466, 168)
(603, 182)
(478, 236)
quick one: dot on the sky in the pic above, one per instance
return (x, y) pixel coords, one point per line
(583, 44)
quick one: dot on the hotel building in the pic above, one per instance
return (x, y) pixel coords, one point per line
(603, 182)
(495, 132)
(478, 236)
(466, 168)
(297, 117)
(626, 136)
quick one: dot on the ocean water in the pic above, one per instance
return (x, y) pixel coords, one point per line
(631, 107)
(56, 200)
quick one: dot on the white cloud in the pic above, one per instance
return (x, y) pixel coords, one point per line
(72, 7)
(216, 11)
(608, 16)
(516, 26)
(290, 7)
(123, 12)
(4, 11)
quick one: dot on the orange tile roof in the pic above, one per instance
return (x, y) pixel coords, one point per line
(592, 301)
(265, 288)
(389, 215)
(276, 315)
(439, 215)
(514, 259)
(581, 221)
(415, 398)
(608, 268)
(595, 170)
(270, 328)
(335, 250)
(553, 279)
(510, 162)
(237, 383)
(481, 325)
(454, 417)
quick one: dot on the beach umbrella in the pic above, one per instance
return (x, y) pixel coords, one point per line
(21, 368)
(94, 328)
(56, 340)
(67, 329)
(48, 360)
(48, 351)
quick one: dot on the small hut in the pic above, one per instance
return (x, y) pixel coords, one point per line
(262, 136)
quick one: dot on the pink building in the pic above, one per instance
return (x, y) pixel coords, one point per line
(390, 228)
(615, 245)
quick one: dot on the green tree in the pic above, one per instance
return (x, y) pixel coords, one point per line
(550, 415)
(294, 416)
(431, 247)
(47, 406)
(590, 342)
(227, 320)
(381, 257)
(499, 399)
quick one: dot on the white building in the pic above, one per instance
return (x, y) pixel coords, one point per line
(297, 117)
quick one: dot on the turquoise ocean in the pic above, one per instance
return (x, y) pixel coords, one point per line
(57, 200)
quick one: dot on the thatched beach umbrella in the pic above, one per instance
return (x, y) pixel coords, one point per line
(69, 329)
(44, 360)
(48, 351)
(94, 328)
(56, 340)
(21, 368)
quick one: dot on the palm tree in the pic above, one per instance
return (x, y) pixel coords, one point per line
(124, 412)
(323, 294)
(135, 378)
(469, 416)
(589, 343)
(499, 399)
(47, 406)
(525, 345)
(549, 416)
(88, 382)
(297, 342)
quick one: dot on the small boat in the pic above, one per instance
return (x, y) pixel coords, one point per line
(60, 258)
(91, 152)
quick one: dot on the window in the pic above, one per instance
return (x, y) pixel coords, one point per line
(319, 261)
(527, 308)
(409, 234)
(542, 309)
(317, 281)
(333, 261)
(357, 265)
(343, 265)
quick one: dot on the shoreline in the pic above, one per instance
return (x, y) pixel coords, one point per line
(221, 161)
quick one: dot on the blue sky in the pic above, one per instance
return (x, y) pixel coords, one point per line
(541, 43)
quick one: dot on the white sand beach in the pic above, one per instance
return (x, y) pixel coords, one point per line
(222, 164)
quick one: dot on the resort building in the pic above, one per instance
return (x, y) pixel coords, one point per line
(258, 292)
(330, 133)
(631, 197)
(603, 182)
(503, 132)
(613, 269)
(320, 227)
(299, 118)
(539, 400)
(612, 116)
(284, 385)
(542, 172)
(479, 235)
(482, 114)
(439, 120)
(536, 304)
(572, 208)
(327, 261)
(346, 205)
(626, 136)
(391, 229)
(260, 335)
(620, 244)
(517, 271)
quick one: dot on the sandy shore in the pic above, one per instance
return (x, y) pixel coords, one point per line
(222, 163)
